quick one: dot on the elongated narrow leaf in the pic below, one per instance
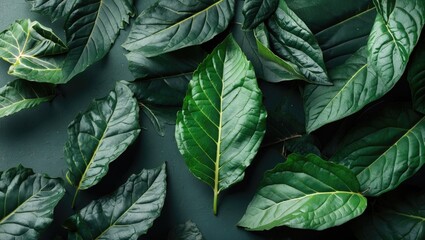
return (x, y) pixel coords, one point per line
(291, 39)
(416, 76)
(305, 192)
(170, 25)
(384, 149)
(257, 11)
(28, 45)
(125, 214)
(91, 29)
(21, 94)
(27, 201)
(55, 9)
(373, 71)
(98, 136)
(222, 122)
(186, 231)
(400, 215)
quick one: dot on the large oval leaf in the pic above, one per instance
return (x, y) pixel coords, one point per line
(416, 76)
(222, 122)
(384, 149)
(369, 74)
(257, 11)
(28, 45)
(170, 25)
(305, 192)
(291, 39)
(27, 201)
(21, 94)
(400, 215)
(125, 214)
(99, 136)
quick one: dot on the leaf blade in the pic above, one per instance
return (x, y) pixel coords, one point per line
(257, 11)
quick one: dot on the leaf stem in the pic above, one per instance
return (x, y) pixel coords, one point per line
(215, 202)
(75, 198)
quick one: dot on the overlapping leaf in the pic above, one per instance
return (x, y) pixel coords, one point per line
(124, 215)
(400, 215)
(373, 71)
(222, 122)
(416, 76)
(170, 25)
(28, 46)
(186, 231)
(384, 149)
(27, 203)
(21, 94)
(305, 192)
(55, 9)
(257, 11)
(98, 136)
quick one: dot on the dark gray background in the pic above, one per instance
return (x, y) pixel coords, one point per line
(35, 138)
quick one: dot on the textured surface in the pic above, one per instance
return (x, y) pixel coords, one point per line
(170, 25)
(21, 94)
(416, 76)
(27, 201)
(384, 149)
(55, 9)
(125, 214)
(186, 231)
(305, 192)
(222, 122)
(98, 136)
(257, 11)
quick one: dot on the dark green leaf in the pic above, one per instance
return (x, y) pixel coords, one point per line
(257, 11)
(170, 25)
(125, 214)
(27, 201)
(98, 136)
(373, 71)
(303, 145)
(305, 192)
(160, 116)
(55, 9)
(186, 231)
(416, 76)
(21, 94)
(400, 215)
(28, 46)
(384, 148)
(222, 122)
(291, 39)
(91, 28)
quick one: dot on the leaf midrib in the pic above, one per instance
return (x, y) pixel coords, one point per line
(27, 100)
(420, 218)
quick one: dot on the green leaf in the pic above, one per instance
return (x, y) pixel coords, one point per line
(21, 94)
(400, 215)
(257, 11)
(186, 231)
(125, 214)
(28, 46)
(160, 116)
(222, 123)
(27, 201)
(372, 71)
(303, 145)
(170, 25)
(291, 39)
(416, 76)
(91, 29)
(384, 149)
(99, 136)
(55, 9)
(305, 192)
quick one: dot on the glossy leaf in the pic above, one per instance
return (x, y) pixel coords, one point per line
(125, 214)
(384, 149)
(291, 39)
(373, 71)
(257, 11)
(186, 231)
(21, 94)
(400, 215)
(416, 76)
(170, 25)
(99, 136)
(27, 203)
(222, 122)
(91, 29)
(305, 192)
(28, 46)
(55, 9)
